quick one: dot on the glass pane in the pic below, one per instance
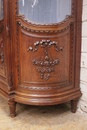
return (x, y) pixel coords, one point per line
(1, 9)
(45, 11)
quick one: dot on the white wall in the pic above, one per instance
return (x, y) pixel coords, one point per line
(83, 79)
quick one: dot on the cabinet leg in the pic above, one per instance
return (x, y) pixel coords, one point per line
(74, 105)
(12, 107)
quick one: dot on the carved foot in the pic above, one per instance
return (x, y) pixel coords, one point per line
(12, 107)
(74, 105)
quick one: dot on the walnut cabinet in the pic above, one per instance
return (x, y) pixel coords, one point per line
(40, 45)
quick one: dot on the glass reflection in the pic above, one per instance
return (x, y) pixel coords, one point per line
(45, 11)
(1, 9)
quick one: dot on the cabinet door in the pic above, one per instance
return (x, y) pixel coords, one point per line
(45, 44)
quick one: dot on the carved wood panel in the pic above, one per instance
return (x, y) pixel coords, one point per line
(46, 65)
(47, 59)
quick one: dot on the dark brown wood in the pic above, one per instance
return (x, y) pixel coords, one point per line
(40, 64)
(12, 107)
(74, 105)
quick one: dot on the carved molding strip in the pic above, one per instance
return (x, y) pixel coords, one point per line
(45, 88)
(43, 31)
(72, 49)
(17, 51)
(45, 65)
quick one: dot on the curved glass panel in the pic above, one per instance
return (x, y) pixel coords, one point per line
(45, 11)
(1, 9)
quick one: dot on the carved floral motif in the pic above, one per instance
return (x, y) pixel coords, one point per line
(44, 44)
(46, 65)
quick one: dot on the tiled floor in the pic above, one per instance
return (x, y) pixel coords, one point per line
(41, 118)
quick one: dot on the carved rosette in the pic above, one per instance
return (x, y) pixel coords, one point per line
(46, 65)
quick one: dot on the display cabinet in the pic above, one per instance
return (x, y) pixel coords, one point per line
(40, 45)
